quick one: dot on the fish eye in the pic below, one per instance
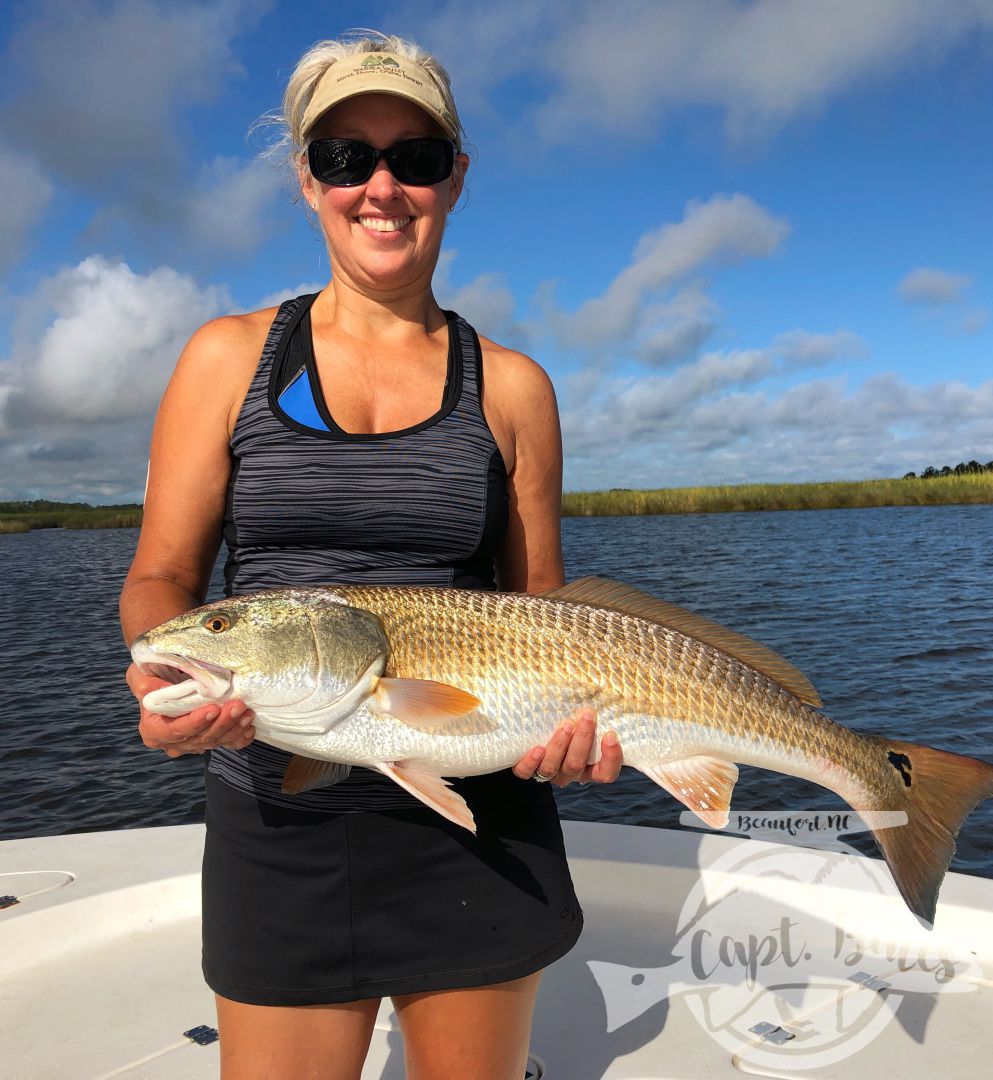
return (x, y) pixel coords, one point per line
(217, 622)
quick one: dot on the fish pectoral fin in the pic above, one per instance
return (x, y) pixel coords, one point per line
(304, 773)
(432, 707)
(702, 784)
(433, 791)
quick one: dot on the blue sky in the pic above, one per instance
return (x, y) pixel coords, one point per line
(749, 239)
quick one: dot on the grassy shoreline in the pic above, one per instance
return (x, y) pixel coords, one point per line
(70, 516)
(844, 494)
(836, 495)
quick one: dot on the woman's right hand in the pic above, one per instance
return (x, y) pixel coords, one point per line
(206, 728)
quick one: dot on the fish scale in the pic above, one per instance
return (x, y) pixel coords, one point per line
(646, 676)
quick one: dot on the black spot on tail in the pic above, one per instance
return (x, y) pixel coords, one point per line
(901, 763)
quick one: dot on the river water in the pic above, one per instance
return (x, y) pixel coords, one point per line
(886, 610)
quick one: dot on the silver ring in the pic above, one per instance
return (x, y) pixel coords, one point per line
(538, 778)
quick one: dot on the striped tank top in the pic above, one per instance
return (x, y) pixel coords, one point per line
(426, 505)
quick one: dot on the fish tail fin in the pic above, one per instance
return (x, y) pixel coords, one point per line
(939, 790)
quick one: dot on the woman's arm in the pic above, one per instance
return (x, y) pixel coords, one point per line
(521, 407)
(189, 469)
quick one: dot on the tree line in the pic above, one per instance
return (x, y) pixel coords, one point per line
(964, 468)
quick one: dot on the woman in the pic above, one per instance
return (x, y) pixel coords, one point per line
(311, 438)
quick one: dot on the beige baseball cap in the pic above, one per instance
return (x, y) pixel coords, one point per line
(379, 73)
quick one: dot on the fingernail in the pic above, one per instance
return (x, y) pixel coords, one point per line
(537, 753)
(247, 719)
(236, 711)
(610, 738)
(212, 715)
(568, 727)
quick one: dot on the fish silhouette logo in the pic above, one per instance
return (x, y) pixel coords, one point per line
(778, 980)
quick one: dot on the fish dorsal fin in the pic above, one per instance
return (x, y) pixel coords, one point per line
(626, 600)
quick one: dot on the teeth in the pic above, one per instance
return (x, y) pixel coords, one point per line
(383, 224)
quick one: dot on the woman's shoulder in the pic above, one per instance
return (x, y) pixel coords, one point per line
(230, 341)
(511, 372)
(216, 367)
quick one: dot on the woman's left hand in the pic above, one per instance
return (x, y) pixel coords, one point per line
(564, 757)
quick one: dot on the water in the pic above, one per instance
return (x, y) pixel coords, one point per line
(886, 611)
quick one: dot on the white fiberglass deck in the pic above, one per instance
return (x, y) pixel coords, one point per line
(691, 941)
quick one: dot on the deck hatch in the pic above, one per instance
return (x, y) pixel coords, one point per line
(202, 1035)
(870, 982)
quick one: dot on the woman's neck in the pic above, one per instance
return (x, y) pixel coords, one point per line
(360, 314)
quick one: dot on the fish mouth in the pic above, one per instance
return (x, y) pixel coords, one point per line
(186, 675)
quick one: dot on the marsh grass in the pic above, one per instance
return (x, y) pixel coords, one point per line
(841, 494)
(22, 517)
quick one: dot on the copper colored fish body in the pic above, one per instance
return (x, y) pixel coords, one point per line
(423, 683)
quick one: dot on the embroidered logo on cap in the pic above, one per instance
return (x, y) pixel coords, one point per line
(379, 61)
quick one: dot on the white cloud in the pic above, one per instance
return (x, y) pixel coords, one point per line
(932, 287)
(710, 425)
(974, 321)
(617, 67)
(230, 204)
(99, 92)
(100, 84)
(674, 329)
(724, 230)
(26, 193)
(110, 345)
(274, 299)
(801, 349)
(486, 302)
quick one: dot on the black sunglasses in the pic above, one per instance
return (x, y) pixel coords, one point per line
(348, 162)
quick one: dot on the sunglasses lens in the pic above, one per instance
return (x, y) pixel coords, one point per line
(421, 162)
(341, 162)
(348, 162)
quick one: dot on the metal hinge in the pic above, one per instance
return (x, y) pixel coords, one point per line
(870, 982)
(772, 1033)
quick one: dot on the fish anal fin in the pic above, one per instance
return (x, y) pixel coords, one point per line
(702, 784)
(304, 773)
(434, 708)
(433, 791)
(626, 600)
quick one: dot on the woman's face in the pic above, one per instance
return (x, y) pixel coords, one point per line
(382, 235)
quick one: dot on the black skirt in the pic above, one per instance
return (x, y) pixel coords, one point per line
(306, 908)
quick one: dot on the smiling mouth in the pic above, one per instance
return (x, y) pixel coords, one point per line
(383, 225)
